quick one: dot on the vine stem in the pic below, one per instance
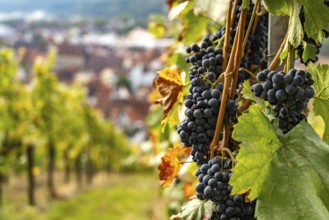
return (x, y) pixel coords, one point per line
(290, 56)
(226, 137)
(227, 36)
(251, 23)
(245, 105)
(230, 154)
(238, 53)
(276, 60)
(228, 78)
(259, 8)
(249, 72)
(233, 10)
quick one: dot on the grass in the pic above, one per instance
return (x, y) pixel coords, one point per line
(121, 197)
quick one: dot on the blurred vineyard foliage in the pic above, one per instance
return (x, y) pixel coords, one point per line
(47, 126)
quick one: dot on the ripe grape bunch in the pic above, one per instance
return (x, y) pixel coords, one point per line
(213, 184)
(203, 104)
(204, 100)
(256, 49)
(288, 93)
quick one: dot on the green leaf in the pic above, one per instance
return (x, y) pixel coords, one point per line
(258, 140)
(316, 18)
(277, 7)
(175, 11)
(287, 174)
(215, 10)
(310, 51)
(197, 209)
(320, 75)
(194, 28)
(297, 184)
(295, 28)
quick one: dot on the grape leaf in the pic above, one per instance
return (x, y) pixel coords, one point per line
(277, 7)
(172, 75)
(169, 88)
(297, 184)
(194, 28)
(314, 11)
(171, 164)
(320, 75)
(175, 11)
(288, 174)
(215, 10)
(316, 18)
(195, 209)
(295, 28)
(309, 51)
(258, 140)
(314, 23)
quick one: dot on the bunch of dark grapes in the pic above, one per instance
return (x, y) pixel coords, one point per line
(204, 100)
(256, 48)
(203, 104)
(257, 53)
(214, 185)
(288, 93)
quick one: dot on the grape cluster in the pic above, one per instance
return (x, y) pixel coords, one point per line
(256, 48)
(205, 59)
(203, 104)
(218, 35)
(288, 93)
(204, 100)
(214, 185)
(257, 53)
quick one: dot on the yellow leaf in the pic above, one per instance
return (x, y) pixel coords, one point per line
(168, 89)
(171, 164)
(171, 74)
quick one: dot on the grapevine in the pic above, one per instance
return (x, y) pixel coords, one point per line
(242, 112)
